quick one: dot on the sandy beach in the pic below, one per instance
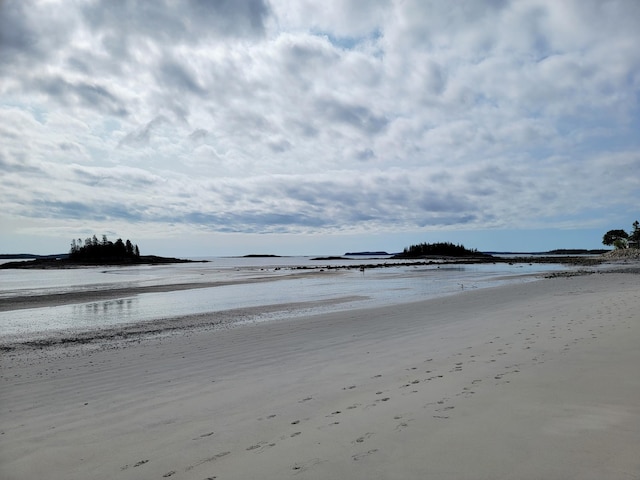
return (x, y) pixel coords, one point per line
(529, 381)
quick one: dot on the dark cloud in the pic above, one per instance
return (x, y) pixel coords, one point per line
(30, 33)
(445, 220)
(69, 147)
(357, 116)
(20, 167)
(118, 178)
(280, 146)
(304, 57)
(198, 135)
(88, 95)
(306, 129)
(365, 154)
(185, 22)
(61, 209)
(287, 204)
(444, 202)
(252, 222)
(17, 35)
(176, 76)
(92, 210)
(378, 199)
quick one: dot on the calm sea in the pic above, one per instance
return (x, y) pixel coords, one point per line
(285, 280)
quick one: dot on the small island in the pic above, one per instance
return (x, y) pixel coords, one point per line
(367, 254)
(93, 252)
(442, 249)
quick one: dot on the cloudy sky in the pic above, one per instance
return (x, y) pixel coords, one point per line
(227, 127)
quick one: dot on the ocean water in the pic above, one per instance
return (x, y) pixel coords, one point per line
(308, 283)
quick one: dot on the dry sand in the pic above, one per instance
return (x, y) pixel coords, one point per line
(532, 381)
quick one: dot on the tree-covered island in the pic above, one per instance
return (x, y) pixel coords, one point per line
(442, 249)
(94, 252)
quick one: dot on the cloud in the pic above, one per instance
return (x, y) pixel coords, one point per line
(357, 116)
(23, 30)
(176, 77)
(301, 116)
(88, 95)
(142, 136)
(190, 21)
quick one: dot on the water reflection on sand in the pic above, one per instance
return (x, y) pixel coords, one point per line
(292, 280)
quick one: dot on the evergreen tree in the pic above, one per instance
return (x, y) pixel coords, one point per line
(104, 251)
(120, 249)
(634, 238)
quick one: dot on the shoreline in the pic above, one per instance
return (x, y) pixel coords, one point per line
(526, 381)
(20, 302)
(182, 323)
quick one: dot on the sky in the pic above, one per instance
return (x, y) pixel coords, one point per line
(228, 127)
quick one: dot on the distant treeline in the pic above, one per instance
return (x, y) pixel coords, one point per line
(29, 256)
(575, 251)
(93, 250)
(445, 249)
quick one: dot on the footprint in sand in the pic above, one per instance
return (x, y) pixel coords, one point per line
(260, 445)
(299, 467)
(137, 464)
(402, 425)
(465, 392)
(363, 437)
(360, 456)
(444, 409)
(207, 460)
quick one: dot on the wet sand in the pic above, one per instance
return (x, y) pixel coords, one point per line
(529, 381)
(20, 302)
